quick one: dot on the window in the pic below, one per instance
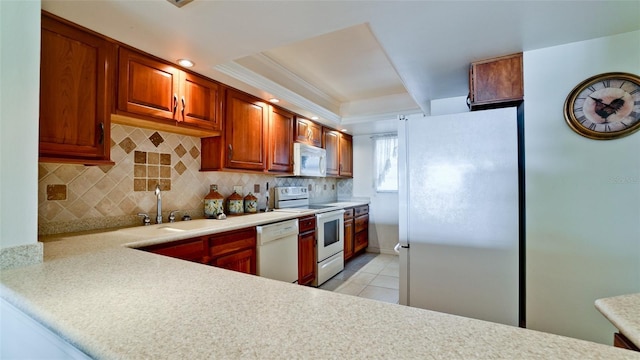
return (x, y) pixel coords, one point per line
(385, 157)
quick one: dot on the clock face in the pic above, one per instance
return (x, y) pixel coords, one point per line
(605, 106)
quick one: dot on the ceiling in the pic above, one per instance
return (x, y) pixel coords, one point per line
(354, 64)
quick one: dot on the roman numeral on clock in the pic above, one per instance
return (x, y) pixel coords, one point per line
(606, 83)
(635, 91)
(591, 88)
(582, 119)
(592, 126)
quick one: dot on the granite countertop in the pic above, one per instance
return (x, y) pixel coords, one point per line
(624, 313)
(112, 301)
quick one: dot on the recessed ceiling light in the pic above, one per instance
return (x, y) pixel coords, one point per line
(314, 118)
(344, 130)
(274, 100)
(185, 62)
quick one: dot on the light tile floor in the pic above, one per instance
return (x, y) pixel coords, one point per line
(373, 276)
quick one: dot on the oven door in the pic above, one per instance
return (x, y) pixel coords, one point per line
(330, 233)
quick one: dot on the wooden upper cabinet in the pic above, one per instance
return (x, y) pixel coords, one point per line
(158, 90)
(200, 102)
(308, 132)
(346, 155)
(246, 124)
(331, 143)
(76, 81)
(496, 82)
(280, 134)
(339, 147)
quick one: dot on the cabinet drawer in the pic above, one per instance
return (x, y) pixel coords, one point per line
(232, 241)
(307, 224)
(192, 250)
(361, 210)
(362, 223)
(348, 213)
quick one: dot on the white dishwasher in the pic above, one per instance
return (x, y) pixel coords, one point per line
(278, 251)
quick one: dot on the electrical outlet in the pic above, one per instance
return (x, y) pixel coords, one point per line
(256, 188)
(333, 186)
(310, 187)
(325, 187)
(238, 189)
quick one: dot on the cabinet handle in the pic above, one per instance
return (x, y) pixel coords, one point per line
(183, 107)
(175, 103)
(230, 152)
(101, 135)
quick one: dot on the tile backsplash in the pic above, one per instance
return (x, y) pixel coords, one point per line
(78, 198)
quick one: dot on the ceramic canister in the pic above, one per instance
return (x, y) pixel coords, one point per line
(213, 203)
(235, 204)
(250, 204)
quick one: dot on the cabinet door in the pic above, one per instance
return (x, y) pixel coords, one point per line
(331, 143)
(147, 87)
(245, 126)
(308, 132)
(199, 102)
(234, 250)
(346, 155)
(496, 81)
(76, 82)
(280, 141)
(306, 257)
(241, 261)
(348, 239)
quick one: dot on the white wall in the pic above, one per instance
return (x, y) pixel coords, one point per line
(582, 195)
(383, 209)
(19, 104)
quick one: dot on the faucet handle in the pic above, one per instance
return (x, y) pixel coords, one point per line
(172, 215)
(146, 220)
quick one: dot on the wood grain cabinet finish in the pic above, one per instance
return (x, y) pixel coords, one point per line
(159, 91)
(195, 250)
(496, 82)
(245, 135)
(77, 75)
(308, 132)
(339, 147)
(234, 250)
(361, 228)
(621, 341)
(349, 244)
(307, 250)
(280, 154)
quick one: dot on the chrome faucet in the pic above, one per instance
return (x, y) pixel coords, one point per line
(159, 196)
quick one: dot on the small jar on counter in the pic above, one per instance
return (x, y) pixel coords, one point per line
(250, 204)
(235, 204)
(213, 203)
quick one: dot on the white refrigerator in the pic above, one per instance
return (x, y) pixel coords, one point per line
(459, 214)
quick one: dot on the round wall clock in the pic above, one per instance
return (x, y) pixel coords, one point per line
(605, 106)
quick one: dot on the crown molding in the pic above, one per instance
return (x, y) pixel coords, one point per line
(276, 67)
(247, 76)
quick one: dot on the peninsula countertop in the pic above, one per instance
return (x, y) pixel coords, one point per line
(112, 301)
(624, 313)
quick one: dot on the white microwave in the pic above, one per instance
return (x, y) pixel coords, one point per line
(309, 160)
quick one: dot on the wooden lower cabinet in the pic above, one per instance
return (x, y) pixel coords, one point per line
(307, 250)
(361, 228)
(242, 261)
(194, 249)
(232, 250)
(621, 341)
(348, 234)
(356, 230)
